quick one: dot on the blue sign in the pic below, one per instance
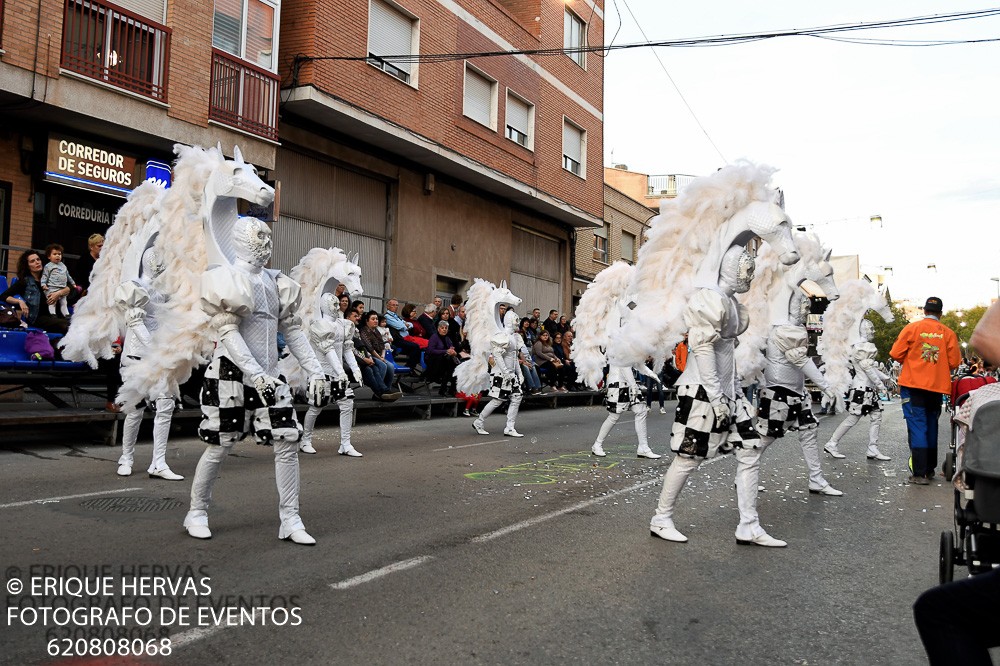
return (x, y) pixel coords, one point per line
(158, 172)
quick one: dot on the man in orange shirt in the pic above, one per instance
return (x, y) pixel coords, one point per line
(928, 351)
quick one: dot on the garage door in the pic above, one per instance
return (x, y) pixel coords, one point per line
(535, 271)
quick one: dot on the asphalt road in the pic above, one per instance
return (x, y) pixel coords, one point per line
(443, 546)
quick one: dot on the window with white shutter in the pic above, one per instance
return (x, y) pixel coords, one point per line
(628, 247)
(520, 119)
(601, 243)
(479, 98)
(390, 33)
(575, 37)
(574, 139)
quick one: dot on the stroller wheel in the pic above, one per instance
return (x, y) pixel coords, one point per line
(946, 570)
(948, 467)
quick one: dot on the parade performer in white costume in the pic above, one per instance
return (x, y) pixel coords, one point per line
(492, 335)
(849, 342)
(121, 300)
(776, 298)
(599, 316)
(689, 269)
(319, 273)
(242, 393)
(140, 302)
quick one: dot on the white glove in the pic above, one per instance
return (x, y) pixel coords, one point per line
(318, 391)
(343, 378)
(722, 414)
(830, 393)
(267, 388)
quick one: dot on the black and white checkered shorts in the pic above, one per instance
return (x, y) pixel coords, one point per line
(503, 389)
(695, 431)
(782, 409)
(232, 409)
(862, 402)
(339, 390)
(619, 397)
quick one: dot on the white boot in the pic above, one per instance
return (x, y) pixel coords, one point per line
(159, 468)
(598, 448)
(286, 476)
(478, 424)
(130, 432)
(838, 434)
(662, 523)
(512, 409)
(873, 428)
(205, 474)
(810, 451)
(346, 406)
(749, 531)
(641, 412)
(308, 426)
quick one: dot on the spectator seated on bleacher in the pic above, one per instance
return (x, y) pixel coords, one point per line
(27, 295)
(426, 320)
(442, 357)
(550, 368)
(408, 348)
(376, 373)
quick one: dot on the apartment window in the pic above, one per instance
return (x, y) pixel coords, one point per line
(628, 247)
(390, 33)
(247, 29)
(601, 243)
(574, 142)
(575, 37)
(479, 98)
(520, 119)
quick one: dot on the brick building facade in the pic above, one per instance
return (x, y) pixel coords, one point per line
(129, 79)
(463, 167)
(623, 231)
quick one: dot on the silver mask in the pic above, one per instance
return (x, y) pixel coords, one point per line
(252, 238)
(329, 305)
(737, 269)
(152, 264)
(867, 330)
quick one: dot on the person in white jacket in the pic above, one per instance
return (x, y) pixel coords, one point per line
(712, 415)
(242, 393)
(863, 397)
(332, 338)
(138, 300)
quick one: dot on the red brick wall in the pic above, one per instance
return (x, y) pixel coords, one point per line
(20, 215)
(434, 109)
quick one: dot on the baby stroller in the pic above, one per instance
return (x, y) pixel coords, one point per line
(960, 389)
(975, 541)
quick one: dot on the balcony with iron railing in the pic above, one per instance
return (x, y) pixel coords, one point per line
(106, 43)
(667, 186)
(244, 96)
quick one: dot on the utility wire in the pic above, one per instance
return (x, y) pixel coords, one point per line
(717, 40)
(676, 87)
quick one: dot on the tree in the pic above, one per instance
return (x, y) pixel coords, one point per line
(969, 317)
(886, 333)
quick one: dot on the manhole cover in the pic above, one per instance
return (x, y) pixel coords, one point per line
(131, 504)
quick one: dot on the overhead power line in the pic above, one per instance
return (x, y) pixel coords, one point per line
(717, 40)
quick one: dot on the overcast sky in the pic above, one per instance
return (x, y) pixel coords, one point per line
(908, 133)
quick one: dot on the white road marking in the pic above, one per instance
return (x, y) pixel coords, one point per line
(465, 446)
(378, 573)
(503, 531)
(198, 633)
(66, 497)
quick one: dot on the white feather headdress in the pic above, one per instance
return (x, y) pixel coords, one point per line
(183, 340)
(841, 324)
(597, 315)
(97, 322)
(315, 274)
(678, 240)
